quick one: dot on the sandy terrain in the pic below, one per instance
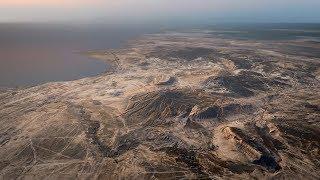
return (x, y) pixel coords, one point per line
(175, 106)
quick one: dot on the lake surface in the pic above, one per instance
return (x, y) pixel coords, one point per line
(270, 31)
(32, 54)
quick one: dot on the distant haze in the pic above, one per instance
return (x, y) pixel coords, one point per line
(140, 11)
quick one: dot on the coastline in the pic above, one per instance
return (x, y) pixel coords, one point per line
(193, 106)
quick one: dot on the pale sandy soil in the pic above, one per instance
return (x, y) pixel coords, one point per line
(175, 106)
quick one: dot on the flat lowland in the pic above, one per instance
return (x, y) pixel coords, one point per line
(175, 106)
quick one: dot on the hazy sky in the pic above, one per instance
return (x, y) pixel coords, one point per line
(160, 10)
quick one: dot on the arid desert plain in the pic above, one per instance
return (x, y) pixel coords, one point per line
(175, 105)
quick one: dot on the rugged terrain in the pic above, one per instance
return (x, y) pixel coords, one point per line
(175, 106)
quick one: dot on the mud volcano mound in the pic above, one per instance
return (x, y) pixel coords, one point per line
(195, 104)
(246, 83)
(164, 104)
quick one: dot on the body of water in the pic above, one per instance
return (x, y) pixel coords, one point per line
(32, 54)
(278, 31)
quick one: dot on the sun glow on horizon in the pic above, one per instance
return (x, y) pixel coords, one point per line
(235, 10)
(42, 2)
